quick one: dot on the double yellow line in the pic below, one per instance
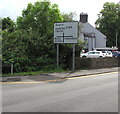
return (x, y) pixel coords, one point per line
(74, 77)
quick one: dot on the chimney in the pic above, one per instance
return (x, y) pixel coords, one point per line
(83, 17)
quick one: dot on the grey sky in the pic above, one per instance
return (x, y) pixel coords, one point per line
(13, 8)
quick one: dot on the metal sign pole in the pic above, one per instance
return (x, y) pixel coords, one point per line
(57, 55)
(73, 57)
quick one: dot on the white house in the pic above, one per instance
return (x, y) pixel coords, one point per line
(93, 38)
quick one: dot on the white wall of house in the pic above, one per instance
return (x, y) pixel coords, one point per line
(98, 42)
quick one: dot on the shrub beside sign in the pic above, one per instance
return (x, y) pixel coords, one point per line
(66, 32)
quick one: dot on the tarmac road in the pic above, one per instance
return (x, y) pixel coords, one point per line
(94, 93)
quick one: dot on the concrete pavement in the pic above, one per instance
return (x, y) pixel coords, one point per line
(56, 76)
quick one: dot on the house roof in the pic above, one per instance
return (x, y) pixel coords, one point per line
(88, 28)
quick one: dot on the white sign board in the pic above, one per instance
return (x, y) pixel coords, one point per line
(66, 32)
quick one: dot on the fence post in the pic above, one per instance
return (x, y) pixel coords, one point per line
(12, 68)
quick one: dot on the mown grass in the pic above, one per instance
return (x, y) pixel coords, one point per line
(36, 72)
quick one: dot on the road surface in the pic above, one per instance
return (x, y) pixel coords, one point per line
(95, 93)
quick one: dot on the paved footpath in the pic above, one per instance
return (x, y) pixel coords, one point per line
(56, 76)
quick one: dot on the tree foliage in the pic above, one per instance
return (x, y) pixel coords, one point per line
(109, 22)
(68, 17)
(8, 24)
(30, 44)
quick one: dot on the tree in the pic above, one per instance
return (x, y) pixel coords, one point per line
(108, 22)
(13, 50)
(67, 17)
(9, 24)
(28, 43)
(37, 22)
(8, 27)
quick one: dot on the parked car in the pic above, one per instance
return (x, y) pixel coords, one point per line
(116, 53)
(92, 54)
(107, 53)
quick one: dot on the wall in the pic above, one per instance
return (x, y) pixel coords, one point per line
(95, 63)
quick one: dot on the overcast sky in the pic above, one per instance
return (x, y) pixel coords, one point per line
(13, 8)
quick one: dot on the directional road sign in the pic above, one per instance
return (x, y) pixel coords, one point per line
(66, 32)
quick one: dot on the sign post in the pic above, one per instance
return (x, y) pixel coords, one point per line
(73, 57)
(66, 32)
(57, 55)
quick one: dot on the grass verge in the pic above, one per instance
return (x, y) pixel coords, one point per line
(36, 72)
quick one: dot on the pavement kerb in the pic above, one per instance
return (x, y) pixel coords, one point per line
(86, 74)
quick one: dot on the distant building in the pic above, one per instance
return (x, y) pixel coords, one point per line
(93, 38)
